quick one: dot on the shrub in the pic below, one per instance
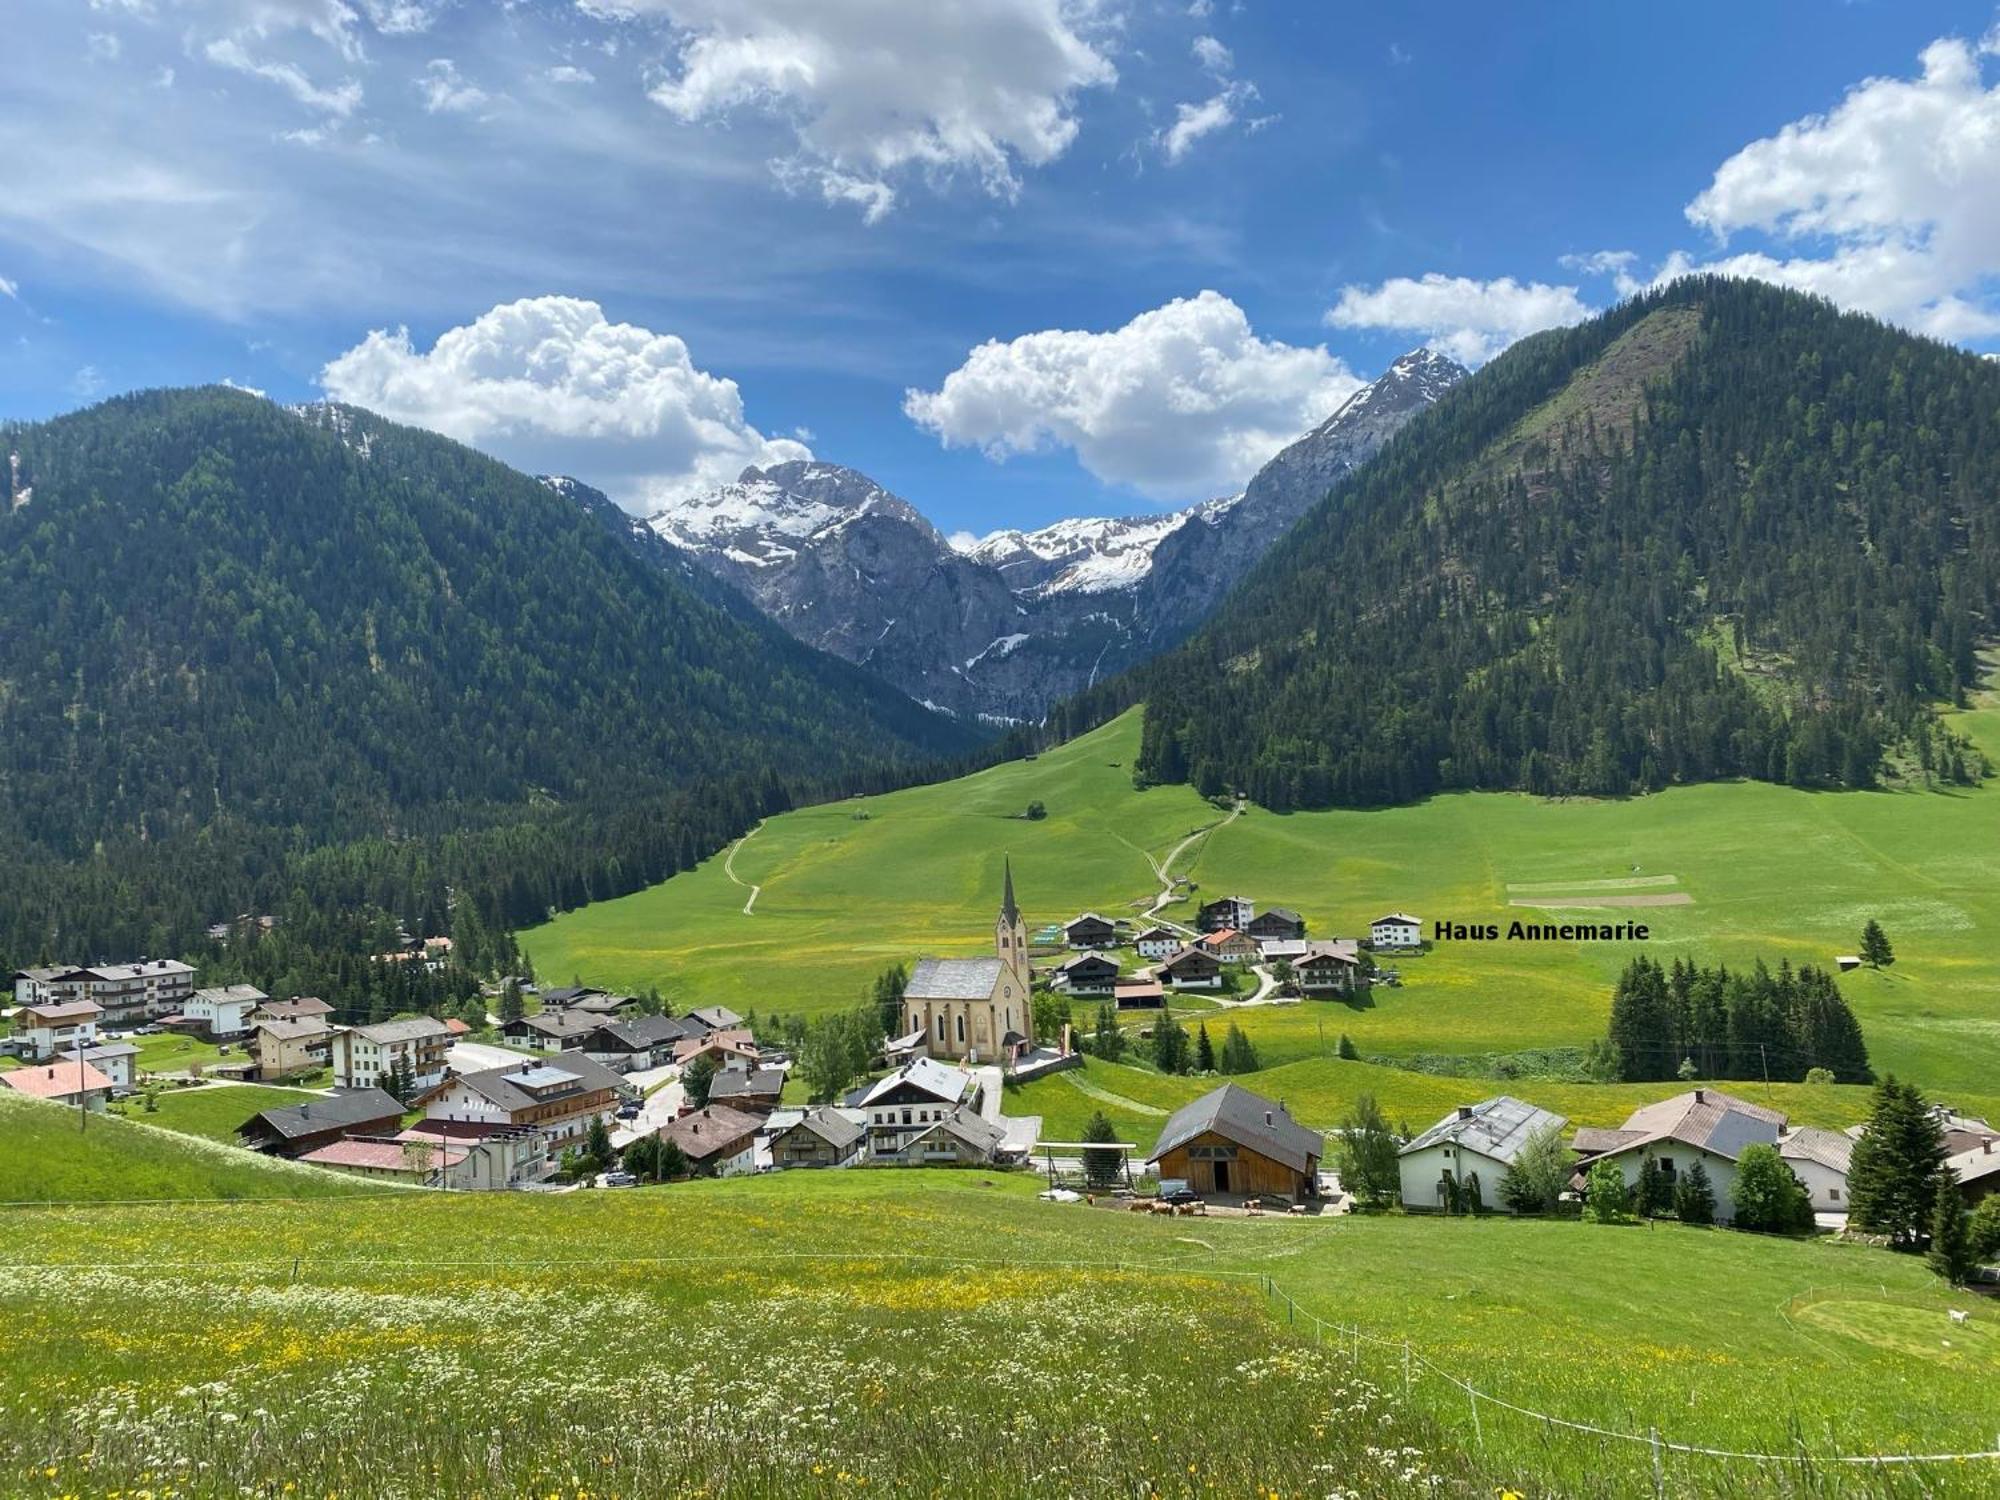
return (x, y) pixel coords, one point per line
(1606, 1198)
(1694, 1196)
(1767, 1196)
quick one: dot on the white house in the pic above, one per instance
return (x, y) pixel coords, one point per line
(363, 1056)
(1474, 1145)
(559, 1097)
(60, 1027)
(1159, 942)
(1819, 1159)
(908, 1102)
(224, 1013)
(1703, 1125)
(1397, 930)
(117, 1061)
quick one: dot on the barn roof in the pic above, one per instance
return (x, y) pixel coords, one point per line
(1247, 1119)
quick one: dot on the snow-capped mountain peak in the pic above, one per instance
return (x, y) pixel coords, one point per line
(767, 515)
(1088, 555)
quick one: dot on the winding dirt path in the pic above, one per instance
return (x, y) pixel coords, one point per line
(729, 868)
(1163, 868)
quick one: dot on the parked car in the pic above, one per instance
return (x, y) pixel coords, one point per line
(629, 1111)
(1176, 1191)
(619, 1179)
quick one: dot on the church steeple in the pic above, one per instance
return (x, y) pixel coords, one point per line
(1009, 912)
(1010, 934)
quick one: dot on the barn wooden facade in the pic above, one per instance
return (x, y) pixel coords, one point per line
(1233, 1143)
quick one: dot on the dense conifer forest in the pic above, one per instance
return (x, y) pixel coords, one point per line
(253, 660)
(1691, 1021)
(1723, 530)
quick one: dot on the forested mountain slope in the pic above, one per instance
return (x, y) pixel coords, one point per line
(1723, 530)
(229, 626)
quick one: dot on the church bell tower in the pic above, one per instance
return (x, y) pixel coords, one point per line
(1010, 934)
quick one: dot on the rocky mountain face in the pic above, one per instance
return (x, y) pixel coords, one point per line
(999, 631)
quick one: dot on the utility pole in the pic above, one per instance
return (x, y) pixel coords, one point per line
(82, 1099)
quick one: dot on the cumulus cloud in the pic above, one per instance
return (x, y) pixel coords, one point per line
(446, 91)
(1193, 121)
(1892, 199)
(873, 88)
(570, 73)
(1183, 402)
(553, 386)
(1212, 55)
(1470, 320)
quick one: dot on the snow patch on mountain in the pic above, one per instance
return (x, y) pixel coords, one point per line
(1089, 555)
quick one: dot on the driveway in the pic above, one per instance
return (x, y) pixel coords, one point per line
(658, 1110)
(477, 1057)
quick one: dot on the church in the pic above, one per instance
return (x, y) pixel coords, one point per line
(976, 1010)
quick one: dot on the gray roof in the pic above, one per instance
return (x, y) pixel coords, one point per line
(1704, 1118)
(939, 1080)
(953, 979)
(980, 1134)
(636, 1033)
(709, 1129)
(747, 1083)
(295, 1029)
(508, 1086)
(411, 1029)
(838, 1129)
(1827, 1148)
(299, 1007)
(715, 1017)
(567, 994)
(110, 1049)
(559, 1023)
(1084, 961)
(1498, 1127)
(1088, 916)
(232, 993)
(330, 1111)
(1247, 1119)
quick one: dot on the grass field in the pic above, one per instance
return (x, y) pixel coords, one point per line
(215, 1111)
(48, 1160)
(944, 1333)
(167, 1052)
(1750, 869)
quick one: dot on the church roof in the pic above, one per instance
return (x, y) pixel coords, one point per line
(953, 979)
(1009, 912)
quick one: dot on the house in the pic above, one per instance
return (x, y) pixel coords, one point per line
(552, 1030)
(365, 1055)
(1704, 1125)
(1278, 922)
(976, 1009)
(299, 1128)
(118, 1061)
(1329, 968)
(1085, 974)
(391, 1159)
(634, 1045)
(559, 1097)
(1231, 1141)
(1090, 931)
(1397, 930)
(754, 1091)
(64, 1081)
(1977, 1169)
(1139, 994)
(818, 1137)
(285, 1048)
(1192, 969)
(59, 1026)
(563, 996)
(725, 1049)
(718, 1141)
(1225, 911)
(1159, 942)
(223, 1014)
(130, 994)
(714, 1018)
(497, 1157)
(1819, 1159)
(903, 1105)
(1473, 1146)
(1230, 945)
(1283, 950)
(609, 1007)
(961, 1139)
(298, 1008)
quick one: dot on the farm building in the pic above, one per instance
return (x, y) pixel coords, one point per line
(1086, 974)
(1704, 1125)
(1225, 911)
(1230, 945)
(960, 1139)
(1397, 930)
(818, 1137)
(1474, 1146)
(1278, 922)
(1139, 994)
(1977, 1169)
(635, 1043)
(1090, 931)
(300, 1128)
(1232, 1142)
(1159, 942)
(1192, 969)
(1283, 950)
(1329, 968)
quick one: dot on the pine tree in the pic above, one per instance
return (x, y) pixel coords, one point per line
(1365, 1150)
(1100, 1168)
(1875, 945)
(1108, 1040)
(1347, 1049)
(1170, 1045)
(1893, 1175)
(1694, 1196)
(1238, 1055)
(1951, 1239)
(696, 1079)
(1654, 1196)
(1204, 1050)
(1539, 1175)
(672, 1161)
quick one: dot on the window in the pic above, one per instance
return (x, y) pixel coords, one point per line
(1833, 1194)
(940, 1028)
(961, 1027)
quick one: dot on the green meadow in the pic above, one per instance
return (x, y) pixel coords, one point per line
(921, 1333)
(1732, 871)
(215, 1111)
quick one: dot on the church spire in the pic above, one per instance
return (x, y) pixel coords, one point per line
(1009, 912)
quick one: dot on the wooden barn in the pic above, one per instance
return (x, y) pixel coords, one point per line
(1233, 1143)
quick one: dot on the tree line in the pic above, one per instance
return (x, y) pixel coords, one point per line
(1700, 1021)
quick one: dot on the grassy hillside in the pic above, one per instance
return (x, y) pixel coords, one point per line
(47, 1159)
(1058, 1350)
(215, 1112)
(1750, 870)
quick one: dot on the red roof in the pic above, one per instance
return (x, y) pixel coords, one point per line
(58, 1080)
(456, 1027)
(387, 1156)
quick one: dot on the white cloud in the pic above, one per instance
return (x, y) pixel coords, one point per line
(553, 386)
(1891, 200)
(871, 88)
(102, 46)
(569, 73)
(1183, 402)
(338, 101)
(873, 198)
(962, 541)
(1194, 121)
(445, 90)
(10, 290)
(1212, 55)
(1470, 320)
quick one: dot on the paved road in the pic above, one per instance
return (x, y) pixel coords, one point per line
(658, 1110)
(476, 1057)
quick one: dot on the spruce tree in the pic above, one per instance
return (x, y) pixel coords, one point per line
(1893, 1175)
(1100, 1168)
(1766, 1195)
(1347, 1049)
(1204, 1050)
(1694, 1196)
(1654, 1196)
(1951, 1240)
(1875, 945)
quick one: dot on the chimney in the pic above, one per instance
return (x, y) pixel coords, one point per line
(1465, 1111)
(1267, 1117)
(1701, 1096)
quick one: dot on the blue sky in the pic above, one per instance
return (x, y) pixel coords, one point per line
(1017, 259)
